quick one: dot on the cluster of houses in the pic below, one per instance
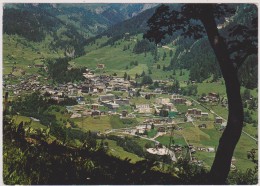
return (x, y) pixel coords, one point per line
(196, 113)
(108, 101)
(157, 121)
(104, 83)
(30, 83)
(211, 97)
(177, 99)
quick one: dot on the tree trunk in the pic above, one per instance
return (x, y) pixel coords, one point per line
(227, 143)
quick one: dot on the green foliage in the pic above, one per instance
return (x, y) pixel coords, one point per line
(134, 63)
(199, 58)
(129, 145)
(90, 141)
(190, 173)
(132, 26)
(36, 23)
(246, 94)
(164, 55)
(248, 117)
(190, 90)
(30, 24)
(171, 53)
(37, 106)
(175, 87)
(36, 162)
(129, 121)
(125, 76)
(147, 80)
(152, 133)
(144, 46)
(250, 177)
(253, 104)
(33, 105)
(59, 72)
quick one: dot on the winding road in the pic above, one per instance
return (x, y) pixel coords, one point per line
(214, 113)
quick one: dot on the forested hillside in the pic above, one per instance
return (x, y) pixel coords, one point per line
(186, 49)
(67, 30)
(205, 64)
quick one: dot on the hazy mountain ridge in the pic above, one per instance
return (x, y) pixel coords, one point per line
(70, 25)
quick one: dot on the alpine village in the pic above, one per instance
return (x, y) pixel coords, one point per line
(130, 94)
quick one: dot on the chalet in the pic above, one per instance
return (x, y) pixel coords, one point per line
(218, 120)
(75, 115)
(87, 70)
(177, 99)
(100, 66)
(95, 90)
(148, 96)
(161, 129)
(144, 108)
(86, 89)
(212, 96)
(162, 101)
(131, 115)
(101, 89)
(140, 131)
(147, 121)
(211, 149)
(158, 90)
(73, 91)
(194, 112)
(122, 101)
(78, 108)
(89, 75)
(56, 98)
(109, 89)
(204, 99)
(169, 106)
(203, 126)
(205, 114)
(124, 113)
(132, 93)
(94, 106)
(192, 151)
(177, 128)
(110, 105)
(39, 65)
(175, 96)
(87, 113)
(95, 113)
(107, 97)
(157, 121)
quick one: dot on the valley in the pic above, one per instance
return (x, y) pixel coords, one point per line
(81, 86)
